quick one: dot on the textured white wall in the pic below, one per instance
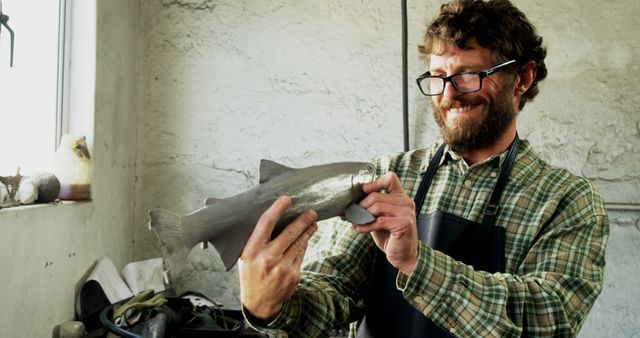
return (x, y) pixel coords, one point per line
(227, 83)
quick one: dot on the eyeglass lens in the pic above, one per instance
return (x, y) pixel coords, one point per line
(463, 82)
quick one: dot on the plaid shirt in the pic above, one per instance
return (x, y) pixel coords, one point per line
(556, 234)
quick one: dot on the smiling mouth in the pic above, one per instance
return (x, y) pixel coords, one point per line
(460, 110)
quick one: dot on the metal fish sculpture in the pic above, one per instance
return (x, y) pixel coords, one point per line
(331, 190)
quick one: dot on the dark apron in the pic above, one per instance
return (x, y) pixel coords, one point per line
(388, 314)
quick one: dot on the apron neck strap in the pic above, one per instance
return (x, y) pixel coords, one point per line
(491, 209)
(428, 177)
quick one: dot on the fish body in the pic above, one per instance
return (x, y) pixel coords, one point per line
(331, 190)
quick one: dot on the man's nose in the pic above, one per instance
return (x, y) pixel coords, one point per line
(450, 92)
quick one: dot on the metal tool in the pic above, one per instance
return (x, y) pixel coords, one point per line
(3, 22)
(136, 309)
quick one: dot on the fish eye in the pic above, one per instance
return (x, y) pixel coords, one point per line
(370, 168)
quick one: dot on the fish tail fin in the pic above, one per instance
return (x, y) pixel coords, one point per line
(167, 226)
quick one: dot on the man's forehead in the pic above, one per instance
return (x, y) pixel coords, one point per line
(470, 53)
(451, 47)
(465, 58)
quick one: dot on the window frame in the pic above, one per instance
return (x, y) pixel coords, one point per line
(62, 101)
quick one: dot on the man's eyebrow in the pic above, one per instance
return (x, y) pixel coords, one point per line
(462, 68)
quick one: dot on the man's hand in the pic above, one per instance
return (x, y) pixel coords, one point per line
(394, 229)
(270, 269)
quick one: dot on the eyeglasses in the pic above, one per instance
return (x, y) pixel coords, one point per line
(465, 82)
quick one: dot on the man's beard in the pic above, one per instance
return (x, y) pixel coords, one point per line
(468, 134)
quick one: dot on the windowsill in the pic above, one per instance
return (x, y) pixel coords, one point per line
(38, 206)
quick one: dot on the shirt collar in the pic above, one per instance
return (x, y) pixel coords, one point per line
(496, 160)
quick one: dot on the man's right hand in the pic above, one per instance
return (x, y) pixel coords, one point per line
(270, 269)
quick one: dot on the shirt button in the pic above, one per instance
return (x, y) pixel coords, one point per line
(494, 174)
(452, 330)
(468, 183)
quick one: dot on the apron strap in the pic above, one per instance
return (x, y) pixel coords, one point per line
(427, 178)
(491, 209)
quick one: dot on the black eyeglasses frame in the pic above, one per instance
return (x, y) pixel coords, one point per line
(482, 74)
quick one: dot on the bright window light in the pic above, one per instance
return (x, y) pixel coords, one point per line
(28, 90)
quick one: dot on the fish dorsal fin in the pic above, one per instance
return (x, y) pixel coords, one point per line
(211, 200)
(269, 169)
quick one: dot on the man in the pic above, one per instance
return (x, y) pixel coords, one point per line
(475, 237)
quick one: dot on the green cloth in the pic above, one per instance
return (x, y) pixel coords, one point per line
(556, 234)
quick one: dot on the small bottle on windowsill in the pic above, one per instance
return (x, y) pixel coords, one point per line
(72, 165)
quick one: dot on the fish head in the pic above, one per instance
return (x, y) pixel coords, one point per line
(366, 172)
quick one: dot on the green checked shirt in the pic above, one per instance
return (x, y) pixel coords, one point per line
(556, 234)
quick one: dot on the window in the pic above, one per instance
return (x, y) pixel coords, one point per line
(30, 107)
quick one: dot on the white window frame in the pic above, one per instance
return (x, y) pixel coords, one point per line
(79, 82)
(64, 37)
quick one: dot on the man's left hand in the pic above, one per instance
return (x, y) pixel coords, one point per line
(394, 229)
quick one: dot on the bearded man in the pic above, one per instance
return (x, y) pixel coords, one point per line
(475, 237)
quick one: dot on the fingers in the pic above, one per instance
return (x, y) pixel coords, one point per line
(289, 246)
(270, 269)
(394, 210)
(293, 234)
(387, 223)
(394, 202)
(262, 232)
(391, 200)
(388, 182)
(295, 253)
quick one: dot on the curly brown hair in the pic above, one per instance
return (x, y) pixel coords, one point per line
(495, 24)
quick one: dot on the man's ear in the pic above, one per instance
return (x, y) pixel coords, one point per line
(526, 75)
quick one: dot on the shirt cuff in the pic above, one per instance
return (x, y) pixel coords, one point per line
(254, 321)
(426, 286)
(285, 320)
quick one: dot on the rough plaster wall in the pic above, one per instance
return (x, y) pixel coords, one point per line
(301, 82)
(45, 250)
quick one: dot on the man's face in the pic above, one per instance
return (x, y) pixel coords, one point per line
(471, 121)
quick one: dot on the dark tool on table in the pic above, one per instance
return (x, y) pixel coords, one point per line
(159, 315)
(137, 308)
